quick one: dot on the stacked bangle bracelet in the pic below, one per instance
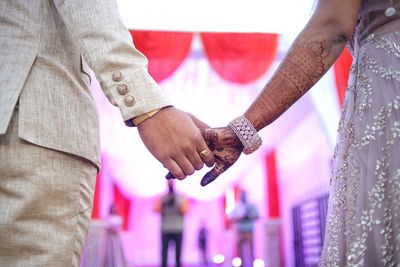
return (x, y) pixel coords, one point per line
(247, 134)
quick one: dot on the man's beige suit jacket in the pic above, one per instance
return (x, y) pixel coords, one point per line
(44, 46)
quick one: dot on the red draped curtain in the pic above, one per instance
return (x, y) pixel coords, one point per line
(121, 202)
(123, 205)
(164, 50)
(272, 186)
(240, 57)
(342, 71)
(96, 199)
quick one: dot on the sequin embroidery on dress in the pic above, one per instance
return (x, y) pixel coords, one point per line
(363, 222)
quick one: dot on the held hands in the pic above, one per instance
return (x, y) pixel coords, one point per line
(224, 145)
(177, 140)
(173, 138)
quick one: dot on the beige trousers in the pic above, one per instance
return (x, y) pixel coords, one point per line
(45, 203)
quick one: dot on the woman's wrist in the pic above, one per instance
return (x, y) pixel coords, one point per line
(247, 134)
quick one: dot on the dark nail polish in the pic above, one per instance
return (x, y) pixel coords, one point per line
(169, 176)
(208, 178)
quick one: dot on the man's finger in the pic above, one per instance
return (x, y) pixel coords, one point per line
(175, 170)
(199, 123)
(186, 166)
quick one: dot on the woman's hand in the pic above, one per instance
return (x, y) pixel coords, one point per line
(225, 146)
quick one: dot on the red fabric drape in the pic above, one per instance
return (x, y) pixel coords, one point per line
(164, 50)
(240, 57)
(123, 205)
(273, 196)
(272, 186)
(224, 215)
(96, 199)
(342, 70)
(236, 192)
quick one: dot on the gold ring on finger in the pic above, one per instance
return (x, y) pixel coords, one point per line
(204, 153)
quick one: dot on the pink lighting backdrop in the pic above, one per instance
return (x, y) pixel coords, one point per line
(302, 138)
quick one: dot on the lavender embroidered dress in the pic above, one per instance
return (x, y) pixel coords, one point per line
(363, 224)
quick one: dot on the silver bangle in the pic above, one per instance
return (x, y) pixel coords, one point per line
(247, 134)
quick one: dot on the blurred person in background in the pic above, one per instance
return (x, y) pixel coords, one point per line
(243, 216)
(114, 256)
(172, 207)
(202, 243)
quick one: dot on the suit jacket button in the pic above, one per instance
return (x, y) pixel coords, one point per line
(122, 89)
(117, 76)
(129, 100)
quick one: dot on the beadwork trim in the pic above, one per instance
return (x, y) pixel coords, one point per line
(247, 134)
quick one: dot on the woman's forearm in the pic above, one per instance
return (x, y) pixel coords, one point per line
(310, 56)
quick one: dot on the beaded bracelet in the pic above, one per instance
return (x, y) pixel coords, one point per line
(247, 134)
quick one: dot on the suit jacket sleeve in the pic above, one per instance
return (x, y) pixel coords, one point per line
(107, 47)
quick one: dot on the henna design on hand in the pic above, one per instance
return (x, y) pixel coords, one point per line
(226, 147)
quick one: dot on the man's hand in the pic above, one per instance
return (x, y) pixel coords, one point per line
(226, 148)
(173, 138)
